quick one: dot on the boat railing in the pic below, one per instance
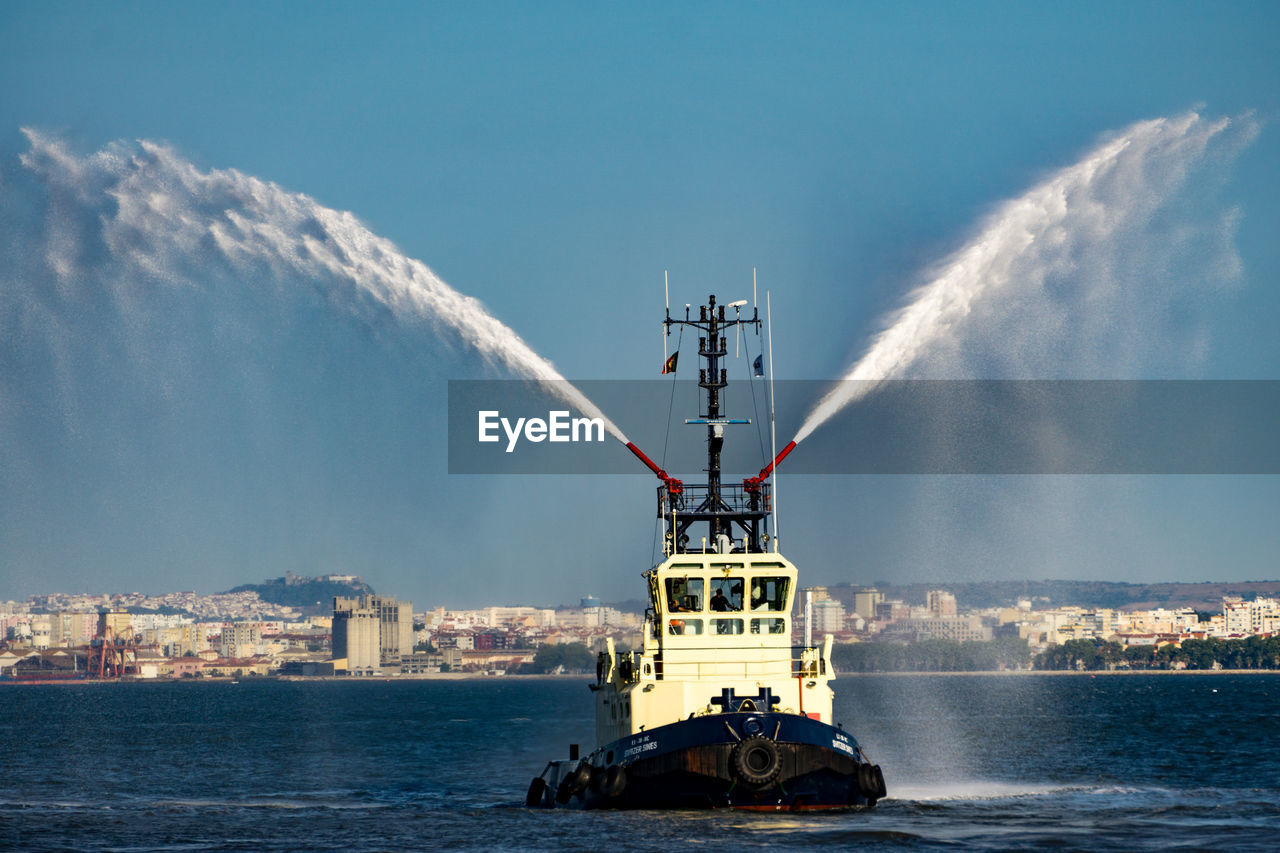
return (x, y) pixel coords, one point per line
(803, 662)
(809, 663)
(692, 500)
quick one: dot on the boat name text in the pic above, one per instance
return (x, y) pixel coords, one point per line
(643, 746)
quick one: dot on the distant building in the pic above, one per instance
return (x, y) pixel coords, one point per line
(892, 610)
(40, 632)
(355, 637)
(828, 616)
(865, 601)
(70, 628)
(420, 662)
(530, 616)
(1250, 617)
(955, 628)
(488, 640)
(1236, 614)
(593, 617)
(119, 622)
(1157, 621)
(370, 631)
(940, 602)
(240, 639)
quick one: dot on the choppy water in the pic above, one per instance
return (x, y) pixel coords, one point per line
(980, 762)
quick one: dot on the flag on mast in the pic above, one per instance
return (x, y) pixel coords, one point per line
(758, 365)
(670, 366)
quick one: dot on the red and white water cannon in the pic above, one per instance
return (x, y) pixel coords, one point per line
(674, 486)
(752, 484)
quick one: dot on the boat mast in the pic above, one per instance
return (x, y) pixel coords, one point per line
(726, 509)
(721, 507)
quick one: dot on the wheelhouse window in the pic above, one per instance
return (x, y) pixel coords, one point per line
(726, 594)
(768, 626)
(726, 626)
(769, 594)
(682, 627)
(684, 595)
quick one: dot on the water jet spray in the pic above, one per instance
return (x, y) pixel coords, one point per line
(1081, 222)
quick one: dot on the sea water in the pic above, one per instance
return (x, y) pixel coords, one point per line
(971, 762)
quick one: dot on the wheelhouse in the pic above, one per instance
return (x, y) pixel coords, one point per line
(725, 600)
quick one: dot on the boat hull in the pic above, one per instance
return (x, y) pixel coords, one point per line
(761, 761)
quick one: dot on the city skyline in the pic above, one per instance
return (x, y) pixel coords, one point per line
(246, 601)
(173, 416)
(66, 637)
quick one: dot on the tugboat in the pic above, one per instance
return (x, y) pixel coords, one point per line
(718, 708)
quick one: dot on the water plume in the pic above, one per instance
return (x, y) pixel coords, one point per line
(1052, 275)
(156, 214)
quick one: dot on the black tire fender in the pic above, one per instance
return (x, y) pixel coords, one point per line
(615, 781)
(563, 791)
(871, 781)
(580, 778)
(537, 793)
(756, 760)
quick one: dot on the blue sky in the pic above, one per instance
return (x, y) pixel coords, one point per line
(552, 160)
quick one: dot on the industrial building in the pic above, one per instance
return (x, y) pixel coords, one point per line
(371, 631)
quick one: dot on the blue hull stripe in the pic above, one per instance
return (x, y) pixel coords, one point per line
(727, 728)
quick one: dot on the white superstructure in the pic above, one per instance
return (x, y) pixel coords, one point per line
(719, 629)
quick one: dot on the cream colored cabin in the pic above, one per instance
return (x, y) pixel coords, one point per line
(719, 625)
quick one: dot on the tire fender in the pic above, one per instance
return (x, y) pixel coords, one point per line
(615, 781)
(756, 760)
(579, 779)
(537, 793)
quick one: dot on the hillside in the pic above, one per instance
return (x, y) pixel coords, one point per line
(311, 594)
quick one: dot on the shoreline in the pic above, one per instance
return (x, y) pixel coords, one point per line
(468, 676)
(343, 679)
(1067, 672)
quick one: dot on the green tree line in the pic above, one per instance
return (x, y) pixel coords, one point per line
(1245, 653)
(933, 656)
(574, 657)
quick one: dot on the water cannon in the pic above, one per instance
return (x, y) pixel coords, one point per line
(674, 486)
(752, 484)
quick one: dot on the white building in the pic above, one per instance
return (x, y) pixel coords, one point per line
(240, 640)
(1237, 616)
(828, 616)
(532, 617)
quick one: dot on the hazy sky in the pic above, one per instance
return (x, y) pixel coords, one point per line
(183, 407)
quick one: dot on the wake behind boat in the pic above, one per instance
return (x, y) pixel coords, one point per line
(718, 708)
